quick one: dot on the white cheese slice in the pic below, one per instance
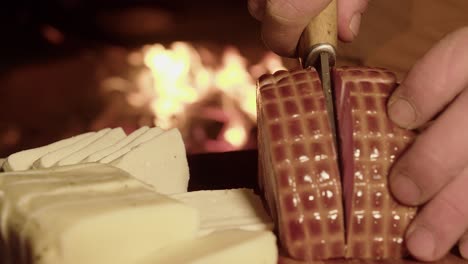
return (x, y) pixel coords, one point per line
(106, 140)
(90, 213)
(226, 247)
(160, 162)
(228, 209)
(24, 160)
(151, 133)
(51, 158)
(111, 149)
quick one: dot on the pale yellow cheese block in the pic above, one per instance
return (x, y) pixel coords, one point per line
(109, 139)
(160, 162)
(224, 247)
(51, 158)
(149, 134)
(98, 155)
(24, 160)
(228, 209)
(91, 213)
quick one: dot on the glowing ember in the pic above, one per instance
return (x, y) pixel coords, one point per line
(180, 87)
(236, 136)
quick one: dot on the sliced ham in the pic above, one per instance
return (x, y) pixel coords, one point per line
(370, 143)
(298, 168)
(298, 171)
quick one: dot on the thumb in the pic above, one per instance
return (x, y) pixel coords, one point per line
(349, 18)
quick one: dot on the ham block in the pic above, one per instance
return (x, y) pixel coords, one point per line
(370, 143)
(298, 169)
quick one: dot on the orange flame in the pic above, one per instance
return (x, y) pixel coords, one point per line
(179, 79)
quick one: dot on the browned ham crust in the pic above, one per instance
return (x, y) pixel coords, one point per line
(370, 143)
(298, 171)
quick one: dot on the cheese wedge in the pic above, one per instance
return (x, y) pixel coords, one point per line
(227, 209)
(53, 157)
(106, 140)
(151, 133)
(90, 213)
(226, 247)
(24, 160)
(111, 149)
(160, 162)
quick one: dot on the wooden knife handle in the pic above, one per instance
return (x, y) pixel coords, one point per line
(319, 36)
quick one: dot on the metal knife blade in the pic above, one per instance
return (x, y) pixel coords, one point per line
(324, 71)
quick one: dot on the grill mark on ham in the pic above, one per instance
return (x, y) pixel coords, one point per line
(375, 222)
(298, 171)
(299, 174)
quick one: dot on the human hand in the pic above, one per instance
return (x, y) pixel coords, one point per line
(434, 170)
(283, 21)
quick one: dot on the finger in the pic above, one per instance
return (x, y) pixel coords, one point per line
(441, 222)
(285, 20)
(256, 8)
(438, 155)
(349, 18)
(432, 83)
(463, 245)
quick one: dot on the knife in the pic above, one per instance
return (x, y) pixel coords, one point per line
(317, 48)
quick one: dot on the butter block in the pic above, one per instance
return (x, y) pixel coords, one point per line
(24, 160)
(111, 149)
(226, 247)
(151, 133)
(106, 140)
(90, 213)
(160, 162)
(53, 157)
(228, 209)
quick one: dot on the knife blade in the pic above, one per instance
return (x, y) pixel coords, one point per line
(327, 90)
(317, 48)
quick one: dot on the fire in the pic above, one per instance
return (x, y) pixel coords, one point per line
(178, 80)
(235, 135)
(181, 81)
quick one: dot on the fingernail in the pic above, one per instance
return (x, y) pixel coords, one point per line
(355, 23)
(420, 242)
(402, 112)
(405, 190)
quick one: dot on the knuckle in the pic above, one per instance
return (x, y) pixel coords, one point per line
(425, 167)
(294, 12)
(453, 206)
(455, 45)
(430, 161)
(284, 11)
